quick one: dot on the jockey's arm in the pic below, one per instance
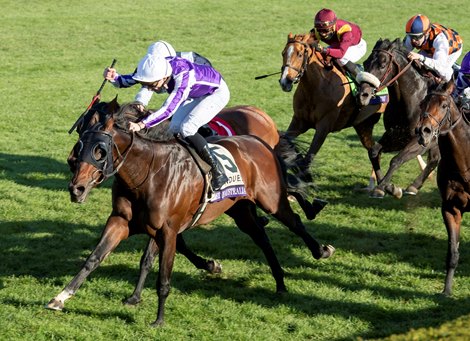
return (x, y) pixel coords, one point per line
(438, 62)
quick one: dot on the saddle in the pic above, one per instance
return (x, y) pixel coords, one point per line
(232, 189)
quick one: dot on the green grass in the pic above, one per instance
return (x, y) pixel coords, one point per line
(382, 283)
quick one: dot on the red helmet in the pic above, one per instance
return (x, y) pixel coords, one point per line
(418, 25)
(325, 19)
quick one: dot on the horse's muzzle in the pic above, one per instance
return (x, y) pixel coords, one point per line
(286, 84)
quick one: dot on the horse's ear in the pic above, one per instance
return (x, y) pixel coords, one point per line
(113, 106)
(449, 87)
(290, 36)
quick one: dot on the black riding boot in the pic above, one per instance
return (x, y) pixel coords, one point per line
(218, 175)
(352, 68)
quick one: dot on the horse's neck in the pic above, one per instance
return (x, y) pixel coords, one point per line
(317, 74)
(455, 147)
(139, 158)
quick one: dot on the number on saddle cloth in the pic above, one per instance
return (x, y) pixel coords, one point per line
(235, 186)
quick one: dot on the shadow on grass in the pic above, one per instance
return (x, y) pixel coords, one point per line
(50, 251)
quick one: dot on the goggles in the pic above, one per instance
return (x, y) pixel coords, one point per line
(416, 37)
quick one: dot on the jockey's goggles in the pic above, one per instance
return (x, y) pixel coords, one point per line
(416, 37)
(325, 26)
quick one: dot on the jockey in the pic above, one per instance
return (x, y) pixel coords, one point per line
(159, 48)
(462, 84)
(197, 93)
(344, 40)
(439, 47)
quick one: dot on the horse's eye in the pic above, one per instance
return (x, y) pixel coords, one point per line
(99, 152)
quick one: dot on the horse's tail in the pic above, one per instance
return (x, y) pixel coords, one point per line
(290, 159)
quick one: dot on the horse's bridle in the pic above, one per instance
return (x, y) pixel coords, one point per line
(95, 140)
(446, 119)
(390, 69)
(301, 71)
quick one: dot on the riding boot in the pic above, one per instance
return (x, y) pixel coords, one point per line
(352, 68)
(218, 175)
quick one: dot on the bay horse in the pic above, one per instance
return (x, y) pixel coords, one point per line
(441, 120)
(242, 120)
(407, 87)
(158, 188)
(323, 99)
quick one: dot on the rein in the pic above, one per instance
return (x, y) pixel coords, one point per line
(389, 70)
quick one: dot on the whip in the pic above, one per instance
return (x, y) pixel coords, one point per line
(95, 98)
(270, 74)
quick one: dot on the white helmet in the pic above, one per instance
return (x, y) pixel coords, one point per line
(152, 68)
(161, 48)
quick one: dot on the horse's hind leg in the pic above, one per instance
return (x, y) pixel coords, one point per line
(310, 209)
(148, 259)
(244, 214)
(433, 161)
(115, 231)
(286, 215)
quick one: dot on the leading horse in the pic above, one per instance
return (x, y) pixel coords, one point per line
(441, 120)
(242, 120)
(407, 87)
(323, 99)
(158, 188)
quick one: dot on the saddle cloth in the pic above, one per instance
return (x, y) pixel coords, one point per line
(234, 187)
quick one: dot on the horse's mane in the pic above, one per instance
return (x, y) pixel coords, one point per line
(392, 45)
(129, 113)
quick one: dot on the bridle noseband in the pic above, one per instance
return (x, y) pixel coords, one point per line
(96, 141)
(446, 119)
(301, 71)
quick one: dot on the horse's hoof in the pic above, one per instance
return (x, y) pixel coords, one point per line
(55, 305)
(327, 251)
(157, 323)
(377, 193)
(411, 190)
(214, 267)
(132, 301)
(281, 289)
(396, 191)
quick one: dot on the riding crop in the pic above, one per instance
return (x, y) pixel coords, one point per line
(95, 98)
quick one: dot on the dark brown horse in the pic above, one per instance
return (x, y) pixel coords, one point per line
(441, 120)
(323, 99)
(243, 120)
(158, 188)
(407, 87)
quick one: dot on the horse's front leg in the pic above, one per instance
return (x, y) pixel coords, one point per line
(148, 259)
(433, 161)
(452, 220)
(166, 240)
(116, 230)
(411, 150)
(146, 263)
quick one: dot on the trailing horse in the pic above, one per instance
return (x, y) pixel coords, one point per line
(323, 99)
(441, 120)
(407, 87)
(158, 188)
